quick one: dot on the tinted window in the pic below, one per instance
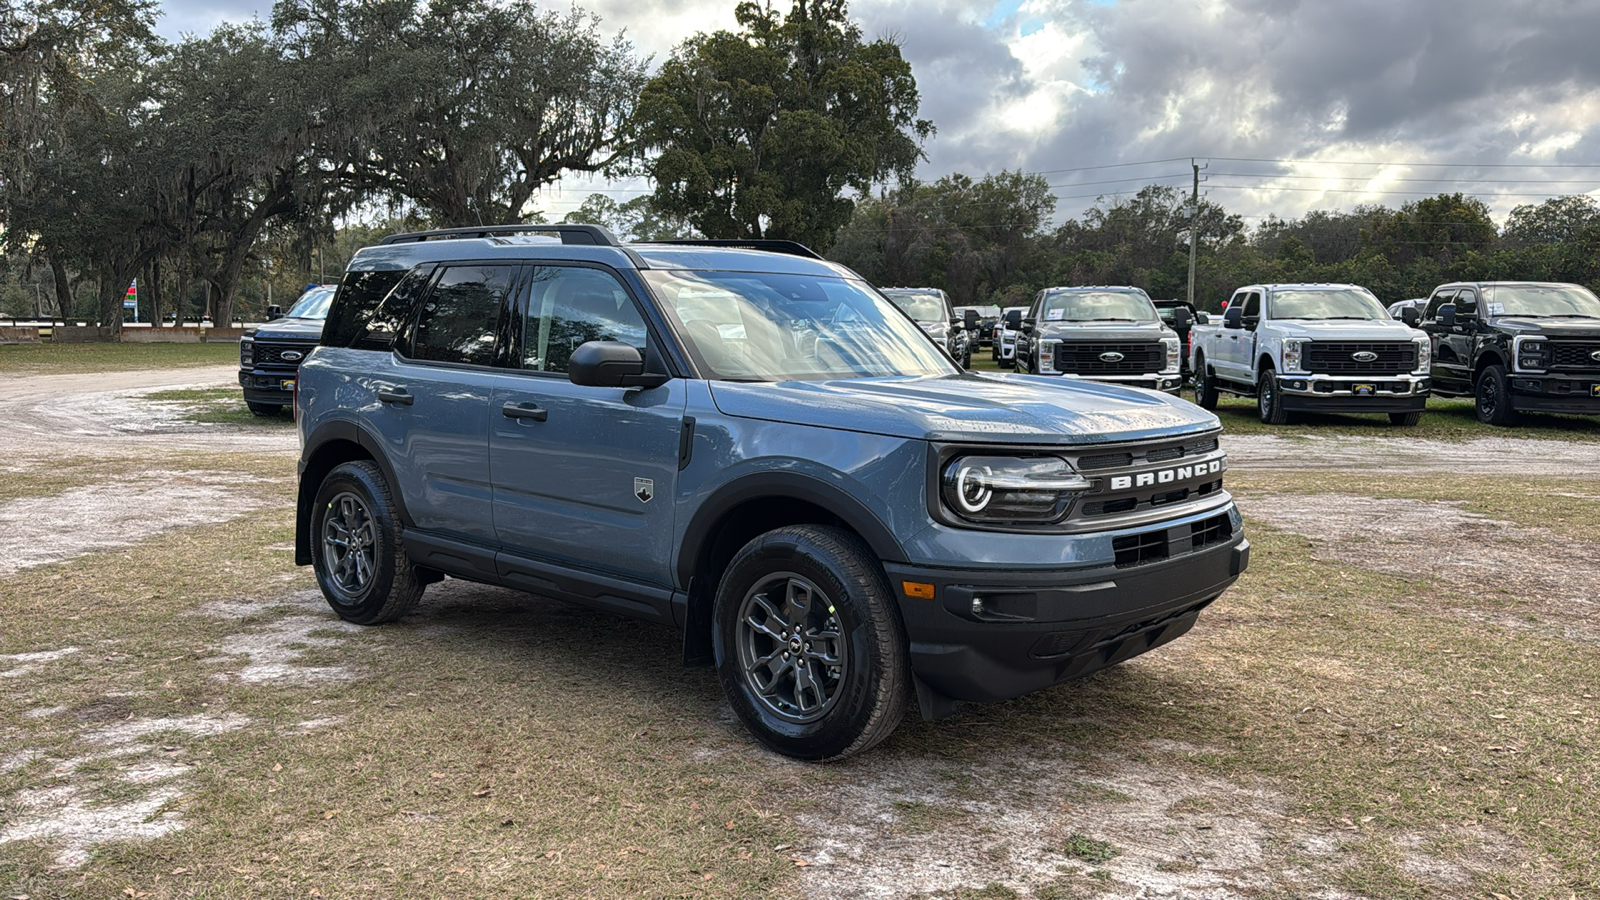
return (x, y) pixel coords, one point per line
(358, 297)
(569, 306)
(395, 310)
(1466, 303)
(1252, 304)
(1439, 299)
(460, 316)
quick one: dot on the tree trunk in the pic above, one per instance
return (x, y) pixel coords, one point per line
(228, 284)
(63, 287)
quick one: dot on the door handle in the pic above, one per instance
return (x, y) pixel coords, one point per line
(398, 396)
(524, 411)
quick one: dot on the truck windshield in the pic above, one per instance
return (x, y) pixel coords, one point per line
(924, 306)
(313, 304)
(1336, 303)
(1098, 306)
(1541, 301)
(755, 326)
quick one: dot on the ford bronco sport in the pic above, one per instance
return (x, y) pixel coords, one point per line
(749, 444)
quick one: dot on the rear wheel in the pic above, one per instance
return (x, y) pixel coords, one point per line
(808, 643)
(264, 410)
(356, 547)
(1493, 398)
(1405, 418)
(1269, 401)
(1205, 387)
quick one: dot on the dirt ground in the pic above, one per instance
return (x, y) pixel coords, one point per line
(1137, 822)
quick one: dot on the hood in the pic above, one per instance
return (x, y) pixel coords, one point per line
(1103, 331)
(969, 408)
(1348, 330)
(290, 330)
(1555, 328)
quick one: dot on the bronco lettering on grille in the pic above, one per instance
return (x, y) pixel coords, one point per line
(1165, 476)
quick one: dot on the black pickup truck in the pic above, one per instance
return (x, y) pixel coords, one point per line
(1516, 346)
(269, 357)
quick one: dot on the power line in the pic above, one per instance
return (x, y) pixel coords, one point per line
(1418, 165)
(1593, 181)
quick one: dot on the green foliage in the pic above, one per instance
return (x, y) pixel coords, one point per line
(636, 220)
(760, 133)
(1088, 849)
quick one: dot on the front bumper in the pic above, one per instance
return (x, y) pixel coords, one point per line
(1556, 393)
(991, 635)
(1171, 383)
(268, 385)
(1343, 393)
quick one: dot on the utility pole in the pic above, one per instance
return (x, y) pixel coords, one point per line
(1194, 226)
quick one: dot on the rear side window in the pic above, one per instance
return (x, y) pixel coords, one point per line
(359, 296)
(459, 319)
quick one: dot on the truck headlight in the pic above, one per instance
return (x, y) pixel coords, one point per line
(247, 352)
(1047, 355)
(1533, 355)
(1292, 348)
(1424, 356)
(1174, 355)
(995, 490)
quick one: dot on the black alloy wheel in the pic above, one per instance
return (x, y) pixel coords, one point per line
(1492, 398)
(356, 549)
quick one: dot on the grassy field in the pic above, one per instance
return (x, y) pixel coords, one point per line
(218, 406)
(68, 359)
(1383, 735)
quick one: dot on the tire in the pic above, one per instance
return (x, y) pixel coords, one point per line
(354, 506)
(1492, 398)
(264, 410)
(829, 712)
(1407, 419)
(1268, 401)
(1205, 387)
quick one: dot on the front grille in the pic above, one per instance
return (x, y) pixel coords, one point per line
(1141, 548)
(1215, 530)
(1084, 358)
(272, 354)
(1573, 356)
(1337, 358)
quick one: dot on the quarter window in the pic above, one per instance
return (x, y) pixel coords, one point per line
(569, 306)
(460, 317)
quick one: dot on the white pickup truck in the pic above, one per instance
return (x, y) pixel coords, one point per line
(1312, 348)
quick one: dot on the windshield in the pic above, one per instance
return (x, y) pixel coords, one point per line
(313, 304)
(755, 326)
(1335, 303)
(1553, 300)
(1098, 306)
(924, 306)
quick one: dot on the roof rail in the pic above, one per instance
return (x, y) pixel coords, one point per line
(569, 234)
(793, 248)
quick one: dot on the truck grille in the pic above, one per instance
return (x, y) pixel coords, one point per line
(272, 354)
(1153, 480)
(1573, 356)
(1085, 359)
(1338, 358)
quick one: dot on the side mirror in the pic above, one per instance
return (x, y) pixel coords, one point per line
(1410, 316)
(1182, 319)
(610, 364)
(1202, 318)
(1233, 317)
(1447, 315)
(970, 321)
(274, 312)
(1014, 320)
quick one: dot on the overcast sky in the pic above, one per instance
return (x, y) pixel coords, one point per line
(1291, 105)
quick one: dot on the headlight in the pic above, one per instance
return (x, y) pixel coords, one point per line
(998, 489)
(247, 352)
(1291, 354)
(1424, 356)
(1174, 348)
(1533, 354)
(1047, 355)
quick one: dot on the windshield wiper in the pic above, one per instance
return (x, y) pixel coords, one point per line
(1108, 319)
(1570, 316)
(1353, 318)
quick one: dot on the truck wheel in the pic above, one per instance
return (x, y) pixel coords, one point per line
(1268, 401)
(1405, 418)
(1493, 397)
(808, 643)
(356, 551)
(1205, 387)
(264, 410)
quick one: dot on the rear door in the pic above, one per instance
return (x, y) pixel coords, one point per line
(583, 476)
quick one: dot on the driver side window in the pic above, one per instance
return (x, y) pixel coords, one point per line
(569, 306)
(1466, 304)
(1252, 305)
(1439, 299)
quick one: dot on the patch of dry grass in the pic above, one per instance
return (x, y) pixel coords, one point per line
(69, 359)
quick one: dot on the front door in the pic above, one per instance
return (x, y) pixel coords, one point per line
(583, 476)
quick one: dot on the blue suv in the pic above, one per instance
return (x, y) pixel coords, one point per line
(750, 444)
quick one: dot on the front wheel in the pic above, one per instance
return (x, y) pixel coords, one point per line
(808, 643)
(1269, 402)
(1205, 388)
(1405, 418)
(1493, 398)
(356, 550)
(264, 410)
